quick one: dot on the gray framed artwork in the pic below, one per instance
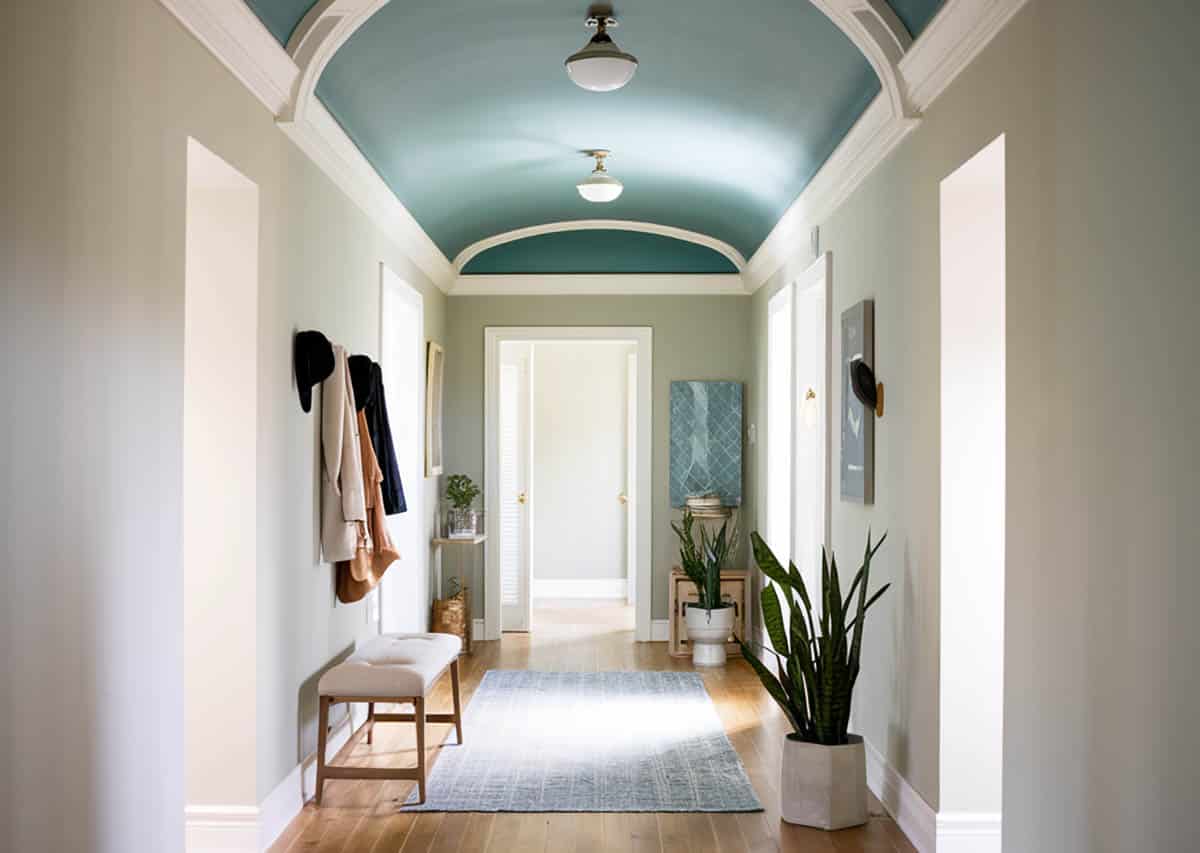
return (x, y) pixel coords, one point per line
(857, 420)
(706, 441)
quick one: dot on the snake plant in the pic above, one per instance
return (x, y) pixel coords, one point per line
(818, 657)
(702, 561)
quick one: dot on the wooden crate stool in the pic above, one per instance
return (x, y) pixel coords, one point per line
(396, 668)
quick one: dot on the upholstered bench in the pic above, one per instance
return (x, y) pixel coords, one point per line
(390, 668)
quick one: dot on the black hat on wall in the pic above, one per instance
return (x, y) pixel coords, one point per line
(313, 357)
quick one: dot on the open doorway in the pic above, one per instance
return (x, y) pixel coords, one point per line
(568, 428)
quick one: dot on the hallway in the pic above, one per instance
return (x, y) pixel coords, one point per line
(363, 816)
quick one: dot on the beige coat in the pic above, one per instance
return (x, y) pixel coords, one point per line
(343, 502)
(358, 576)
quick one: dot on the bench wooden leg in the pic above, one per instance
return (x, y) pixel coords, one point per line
(322, 734)
(370, 723)
(419, 713)
(457, 699)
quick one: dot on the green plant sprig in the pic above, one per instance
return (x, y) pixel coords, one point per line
(817, 671)
(461, 491)
(702, 561)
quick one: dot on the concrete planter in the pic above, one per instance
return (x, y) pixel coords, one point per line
(707, 632)
(824, 786)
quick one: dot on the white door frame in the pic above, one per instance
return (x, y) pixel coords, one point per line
(816, 281)
(642, 338)
(393, 286)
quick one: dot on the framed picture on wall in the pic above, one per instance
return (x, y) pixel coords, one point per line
(857, 420)
(435, 368)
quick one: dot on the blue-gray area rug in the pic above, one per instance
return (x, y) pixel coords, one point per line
(589, 742)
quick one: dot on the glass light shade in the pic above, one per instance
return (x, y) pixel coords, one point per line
(600, 187)
(601, 66)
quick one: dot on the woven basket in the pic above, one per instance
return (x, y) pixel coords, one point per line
(452, 616)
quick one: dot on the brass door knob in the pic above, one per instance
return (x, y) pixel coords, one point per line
(622, 499)
(522, 498)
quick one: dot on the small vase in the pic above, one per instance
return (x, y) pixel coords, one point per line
(707, 633)
(823, 786)
(460, 522)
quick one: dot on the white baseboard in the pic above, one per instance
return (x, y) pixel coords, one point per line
(660, 630)
(580, 588)
(477, 630)
(252, 829)
(968, 832)
(915, 817)
(221, 829)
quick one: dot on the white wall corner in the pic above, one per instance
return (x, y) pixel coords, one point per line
(660, 630)
(915, 817)
(968, 832)
(252, 829)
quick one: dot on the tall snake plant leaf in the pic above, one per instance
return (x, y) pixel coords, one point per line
(770, 682)
(772, 614)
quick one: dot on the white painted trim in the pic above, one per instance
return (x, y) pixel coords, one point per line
(643, 338)
(915, 817)
(478, 630)
(581, 285)
(320, 34)
(238, 39)
(468, 254)
(956, 35)
(580, 588)
(968, 832)
(220, 829)
(660, 630)
(326, 144)
(880, 37)
(252, 829)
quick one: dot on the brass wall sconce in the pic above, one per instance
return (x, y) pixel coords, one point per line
(866, 389)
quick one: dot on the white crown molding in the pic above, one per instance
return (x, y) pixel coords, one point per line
(238, 39)
(915, 817)
(468, 254)
(873, 27)
(599, 285)
(317, 38)
(969, 832)
(323, 140)
(956, 35)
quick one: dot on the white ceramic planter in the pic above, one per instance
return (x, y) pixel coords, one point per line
(707, 632)
(824, 786)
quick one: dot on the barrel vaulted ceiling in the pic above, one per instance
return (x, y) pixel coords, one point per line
(464, 109)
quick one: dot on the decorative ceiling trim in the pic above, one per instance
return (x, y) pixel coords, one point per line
(468, 254)
(240, 41)
(951, 41)
(873, 27)
(712, 284)
(317, 38)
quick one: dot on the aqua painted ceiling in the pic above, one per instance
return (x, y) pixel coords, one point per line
(598, 251)
(464, 109)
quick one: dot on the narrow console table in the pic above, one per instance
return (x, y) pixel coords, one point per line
(441, 542)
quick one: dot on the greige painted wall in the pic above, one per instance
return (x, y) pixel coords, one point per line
(103, 97)
(695, 337)
(1097, 101)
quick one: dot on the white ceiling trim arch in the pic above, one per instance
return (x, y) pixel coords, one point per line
(468, 254)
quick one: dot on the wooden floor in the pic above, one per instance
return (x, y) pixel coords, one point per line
(364, 816)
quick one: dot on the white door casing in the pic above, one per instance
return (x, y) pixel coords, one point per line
(641, 570)
(631, 494)
(404, 592)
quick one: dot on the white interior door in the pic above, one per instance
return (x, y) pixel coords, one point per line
(404, 592)
(514, 529)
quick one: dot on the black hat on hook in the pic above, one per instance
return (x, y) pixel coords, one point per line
(862, 381)
(314, 362)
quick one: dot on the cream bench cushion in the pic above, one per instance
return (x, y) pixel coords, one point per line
(391, 666)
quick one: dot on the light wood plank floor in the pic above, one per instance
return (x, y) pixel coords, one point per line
(364, 816)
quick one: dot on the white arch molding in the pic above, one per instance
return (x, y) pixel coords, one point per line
(871, 25)
(468, 254)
